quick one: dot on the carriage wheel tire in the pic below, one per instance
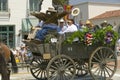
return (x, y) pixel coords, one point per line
(102, 63)
(37, 70)
(61, 67)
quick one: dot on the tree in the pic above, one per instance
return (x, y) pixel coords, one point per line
(60, 2)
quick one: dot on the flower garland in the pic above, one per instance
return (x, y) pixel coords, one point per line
(109, 37)
(88, 39)
(106, 36)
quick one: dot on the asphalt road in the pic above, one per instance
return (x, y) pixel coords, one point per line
(25, 74)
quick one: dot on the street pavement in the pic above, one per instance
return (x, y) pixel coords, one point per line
(24, 74)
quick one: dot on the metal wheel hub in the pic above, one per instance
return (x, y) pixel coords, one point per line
(61, 70)
(43, 66)
(102, 64)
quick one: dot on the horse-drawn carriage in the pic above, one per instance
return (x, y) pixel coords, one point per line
(55, 60)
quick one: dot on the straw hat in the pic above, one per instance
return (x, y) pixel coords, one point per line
(51, 9)
(88, 22)
(105, 21)
(61, 20)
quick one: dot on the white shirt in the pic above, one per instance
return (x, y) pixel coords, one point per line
(71, 28)
(63, 29)
(14, 52)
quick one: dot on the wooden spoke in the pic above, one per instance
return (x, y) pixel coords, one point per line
(37, 69)
(64, 70)
(104, 63)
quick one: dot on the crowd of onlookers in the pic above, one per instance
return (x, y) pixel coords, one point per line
(22, 54)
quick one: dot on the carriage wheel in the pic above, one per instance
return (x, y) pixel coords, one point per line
(81, 68)
(61, 67)
(38, 68)
(102, 63)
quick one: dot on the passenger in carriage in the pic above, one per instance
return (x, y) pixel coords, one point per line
(91, 27)
(71, 27)
(81, 25)
(61, 26)
(105, 24)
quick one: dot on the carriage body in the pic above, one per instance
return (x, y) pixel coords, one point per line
(43, 49)
(76, 56)
(74, 50)
(78, 50)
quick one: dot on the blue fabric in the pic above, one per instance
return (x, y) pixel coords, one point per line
(40, 23)
(41, 33)
(59, 29)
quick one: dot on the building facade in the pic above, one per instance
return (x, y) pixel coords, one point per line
(16, 21)
(89, 10)
(112, 17)
(99, 12)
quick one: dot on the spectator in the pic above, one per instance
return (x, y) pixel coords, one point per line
(17, 56)
(118, 47)
(23, 52)
(115, 27)
(14, 52)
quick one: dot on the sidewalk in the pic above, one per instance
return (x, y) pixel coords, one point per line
(118, 58)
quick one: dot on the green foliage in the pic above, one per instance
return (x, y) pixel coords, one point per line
(60, 2)
(78, 34)
(101, 33)
(99, 36)
(64, 1)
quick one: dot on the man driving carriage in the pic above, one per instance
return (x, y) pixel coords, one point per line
(50, 22)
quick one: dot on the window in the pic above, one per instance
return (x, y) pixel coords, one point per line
(35, 5)
(3, 5)
(7, 35)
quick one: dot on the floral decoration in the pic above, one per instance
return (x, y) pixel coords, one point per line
(108, 37)
(88, 39)
(104, 36)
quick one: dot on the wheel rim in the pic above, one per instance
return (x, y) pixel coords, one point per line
(61, 67)
(81, 69)
(38, 68)
(102, 63)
